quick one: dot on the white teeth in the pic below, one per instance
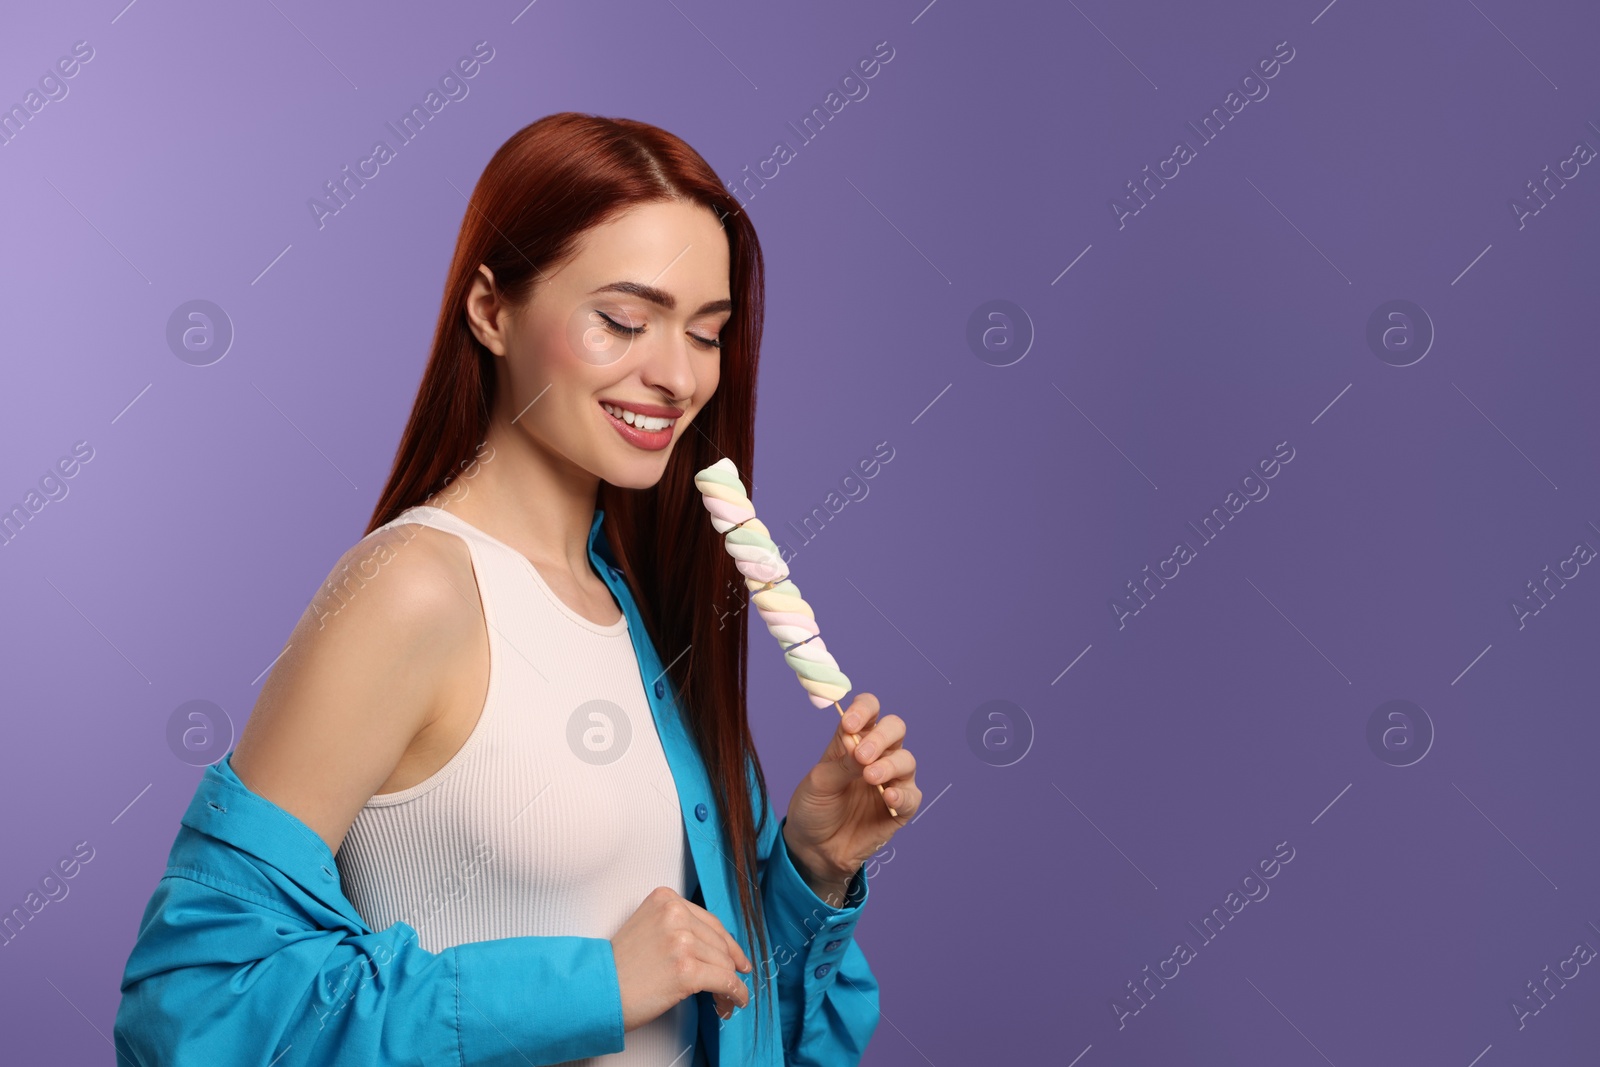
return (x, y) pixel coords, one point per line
(643, 422)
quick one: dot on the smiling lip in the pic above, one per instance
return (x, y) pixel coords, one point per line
(649, 441)
(654, 410)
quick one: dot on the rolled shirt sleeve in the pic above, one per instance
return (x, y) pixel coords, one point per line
(229, 968)
(827, 995)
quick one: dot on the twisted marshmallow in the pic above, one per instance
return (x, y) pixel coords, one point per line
(788, 617)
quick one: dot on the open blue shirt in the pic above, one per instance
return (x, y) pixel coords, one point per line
(249, 953)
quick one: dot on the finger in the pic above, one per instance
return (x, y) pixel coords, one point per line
(709, 955)
(710, 947)
(899, 763)
(863, 712)
(904, 795)
(718, 935)
(885, 735)
(859, 715)
(731, 993)
(721, 982)
(725, 1005)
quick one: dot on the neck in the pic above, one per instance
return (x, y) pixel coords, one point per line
(537, 502)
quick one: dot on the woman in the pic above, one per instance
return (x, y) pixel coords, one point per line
(514, 718)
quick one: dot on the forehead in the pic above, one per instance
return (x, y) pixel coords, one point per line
(680, 247)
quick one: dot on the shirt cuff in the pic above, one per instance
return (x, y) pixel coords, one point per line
(809, 935)
(551, 999)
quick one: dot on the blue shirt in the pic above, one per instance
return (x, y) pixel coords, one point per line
(249, 953)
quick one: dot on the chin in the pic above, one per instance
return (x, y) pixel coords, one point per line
(640, 474)
(636, 483)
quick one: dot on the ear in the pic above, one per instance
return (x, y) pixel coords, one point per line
(486, 312)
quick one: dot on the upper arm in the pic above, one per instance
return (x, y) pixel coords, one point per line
(364, 672)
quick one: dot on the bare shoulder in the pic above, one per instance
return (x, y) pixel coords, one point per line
(366, 669)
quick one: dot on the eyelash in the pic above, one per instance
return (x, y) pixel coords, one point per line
(634, 331)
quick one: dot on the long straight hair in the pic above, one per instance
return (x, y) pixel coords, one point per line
(548, 183)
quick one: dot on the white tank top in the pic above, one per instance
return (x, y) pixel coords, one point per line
(556, 816)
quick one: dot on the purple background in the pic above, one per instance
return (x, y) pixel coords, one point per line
(1229, 715)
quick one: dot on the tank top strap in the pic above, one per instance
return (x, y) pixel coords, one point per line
(439, 519)
(490, 570)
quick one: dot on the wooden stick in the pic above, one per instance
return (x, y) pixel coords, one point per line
(857, 739)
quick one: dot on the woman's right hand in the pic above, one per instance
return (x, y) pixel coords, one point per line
(671, 948)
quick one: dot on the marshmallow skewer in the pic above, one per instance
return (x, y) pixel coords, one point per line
(788, 617)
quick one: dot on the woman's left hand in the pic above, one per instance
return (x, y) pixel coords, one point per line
(837, 818)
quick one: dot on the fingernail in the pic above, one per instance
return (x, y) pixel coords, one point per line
(865, 750)
(851, 723)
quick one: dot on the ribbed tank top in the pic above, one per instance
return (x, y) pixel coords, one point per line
(559, 812)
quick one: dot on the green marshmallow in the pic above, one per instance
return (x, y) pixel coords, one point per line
(743, 535)
(817, 672)
(722, 477)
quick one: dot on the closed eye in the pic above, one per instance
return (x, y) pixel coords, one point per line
(634, 331)
(619, 328)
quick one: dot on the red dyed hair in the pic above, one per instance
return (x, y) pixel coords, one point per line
(551, 181)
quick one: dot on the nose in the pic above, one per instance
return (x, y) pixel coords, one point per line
(668, 367)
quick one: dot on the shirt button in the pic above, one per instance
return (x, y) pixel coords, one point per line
(661, 689)
(822, 972)
(832, 946)
(700, 812)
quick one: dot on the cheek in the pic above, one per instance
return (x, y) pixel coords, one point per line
(545, 350)
(709, 380)
(584, 339)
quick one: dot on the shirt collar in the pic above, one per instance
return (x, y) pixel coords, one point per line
(599, 546)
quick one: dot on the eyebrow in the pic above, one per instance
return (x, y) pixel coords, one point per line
(660, 296)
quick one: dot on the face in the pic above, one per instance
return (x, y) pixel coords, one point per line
(616, 350)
